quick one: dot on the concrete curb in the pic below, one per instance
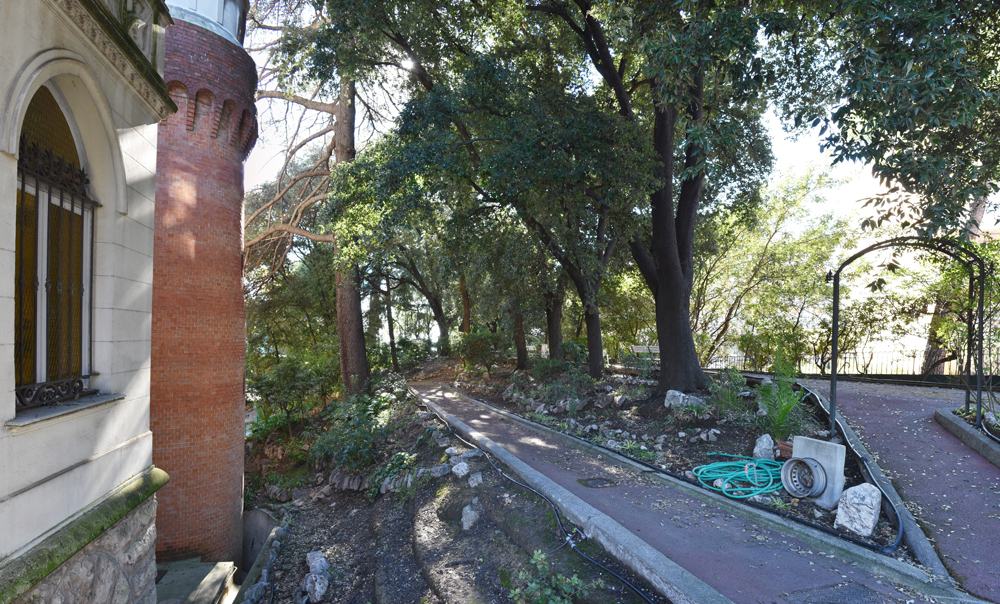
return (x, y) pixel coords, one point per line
(972, 438)
(895, 570)
(666, 576)
(914, 537)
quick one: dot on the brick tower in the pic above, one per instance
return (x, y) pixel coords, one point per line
(199, 332)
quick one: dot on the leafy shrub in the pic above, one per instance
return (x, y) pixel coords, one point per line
(397, 464)
(644, 365)
(544, 369)
(785, 414)
(355, 430)
(547, 588)
(573, 353)
(726, 389)
(290, 387)
(482, 348)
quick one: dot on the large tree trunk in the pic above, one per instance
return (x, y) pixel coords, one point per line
(354, 369)
(466, 325)
(595, 345)
(519, 342)
(553, 318)
(392, 328)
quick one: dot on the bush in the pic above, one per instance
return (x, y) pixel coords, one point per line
(726, 389)
(352, 438)
(482, 348)
(544, 369)
(785, 414)
(549, 588)
(573, 353)
(290, 386)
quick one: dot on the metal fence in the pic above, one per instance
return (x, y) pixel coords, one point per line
(903, 363)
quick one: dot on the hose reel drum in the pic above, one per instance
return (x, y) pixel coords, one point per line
(803, 477)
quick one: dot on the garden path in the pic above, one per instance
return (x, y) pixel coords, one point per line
(950, 488)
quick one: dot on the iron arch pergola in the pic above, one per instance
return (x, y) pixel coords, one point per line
(967, 258)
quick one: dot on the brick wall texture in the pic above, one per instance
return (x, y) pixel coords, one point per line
(198, 335)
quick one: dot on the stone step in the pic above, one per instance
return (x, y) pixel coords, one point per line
(195, 582)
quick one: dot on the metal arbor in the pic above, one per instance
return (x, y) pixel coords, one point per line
(974, 337)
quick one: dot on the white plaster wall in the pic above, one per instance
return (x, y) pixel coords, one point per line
(52, 469)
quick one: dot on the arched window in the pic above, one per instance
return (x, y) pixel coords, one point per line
(53, 260)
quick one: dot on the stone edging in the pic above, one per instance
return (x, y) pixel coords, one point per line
(666, 576)
(972, 438)
(895, 570)
(20, 574)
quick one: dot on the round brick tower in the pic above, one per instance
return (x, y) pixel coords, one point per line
(199, 332)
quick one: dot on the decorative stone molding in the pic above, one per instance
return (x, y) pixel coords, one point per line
(130, 38)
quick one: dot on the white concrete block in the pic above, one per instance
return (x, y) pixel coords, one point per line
(832, 457)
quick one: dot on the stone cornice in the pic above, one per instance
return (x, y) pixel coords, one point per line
(116, 43)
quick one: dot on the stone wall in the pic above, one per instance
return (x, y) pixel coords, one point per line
(119, 567)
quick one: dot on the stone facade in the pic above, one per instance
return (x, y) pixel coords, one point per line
(119, 567)
(199, 332)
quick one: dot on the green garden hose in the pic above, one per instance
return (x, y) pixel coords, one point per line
(742, 478)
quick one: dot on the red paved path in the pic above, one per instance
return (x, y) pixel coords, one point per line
(741, 560)
(953, 490)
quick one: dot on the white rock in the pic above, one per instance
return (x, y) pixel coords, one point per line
(764, 448)
(859, 509)
(990, 419)
(315, 586)
(761, 499)
(766, 381)
(317, 562)
(674, 397)
(476, 479)
(469, 517)
(461, 470)
(452, 451)
(682, 435)
(690, 475)
(441, 470)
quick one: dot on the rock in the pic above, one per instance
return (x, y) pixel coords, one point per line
(661, 438)
(441, 470)
(674, 398)
(279, 494)
(604, 400)
(611, 444)
(703, 436)
(691, 399)
(508, 393)
(452, 451)
(469, 517)
(317, 562)
(461, 470)
(443, 442)
(712, 437)
(476, 479)
(859, 509)
(315, 586)
(761, 412)
(472, 454)
(690, 475)
(766, 381)
(455, 460)
(658, 446)
(817, 514)
(821, 433)
(621, 400)
(990, 419)
(682, 435)
(764, 448)
(761, 499)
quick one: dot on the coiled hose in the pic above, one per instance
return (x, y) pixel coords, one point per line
(740, 479)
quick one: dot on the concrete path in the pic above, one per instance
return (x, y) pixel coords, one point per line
(949, 487)
(741, 559)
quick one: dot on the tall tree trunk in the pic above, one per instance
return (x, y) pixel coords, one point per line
(519, 342)
(595, 345)
(466, 305)
(392, 328)
(354, 368)
(554, 316)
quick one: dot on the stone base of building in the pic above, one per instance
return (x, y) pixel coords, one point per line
(73, 567)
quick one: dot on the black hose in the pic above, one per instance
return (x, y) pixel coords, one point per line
(555, 510)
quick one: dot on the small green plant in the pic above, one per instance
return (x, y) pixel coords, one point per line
(573, 353)
(482, 348)
(726, 389)
(398, 464)
(782, 405)
(634, 449)
(547, 588)
(290, 387)
(352, 439)
(544, 369)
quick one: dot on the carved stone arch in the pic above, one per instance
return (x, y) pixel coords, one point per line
(80, 95)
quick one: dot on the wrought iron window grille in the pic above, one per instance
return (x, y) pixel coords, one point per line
(54, 334)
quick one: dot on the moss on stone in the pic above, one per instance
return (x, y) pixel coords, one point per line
(28, 569)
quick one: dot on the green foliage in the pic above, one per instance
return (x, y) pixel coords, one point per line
(549, 588)
(544, 369)
(290, 386)
(573, 353)
(785, 414)
(645, 366)
(726, 388)
(572, 383)
(634, 449)
(397, 465)
(482, 348)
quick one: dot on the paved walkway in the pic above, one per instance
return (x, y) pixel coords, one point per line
(952, 489)
(740, 559)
